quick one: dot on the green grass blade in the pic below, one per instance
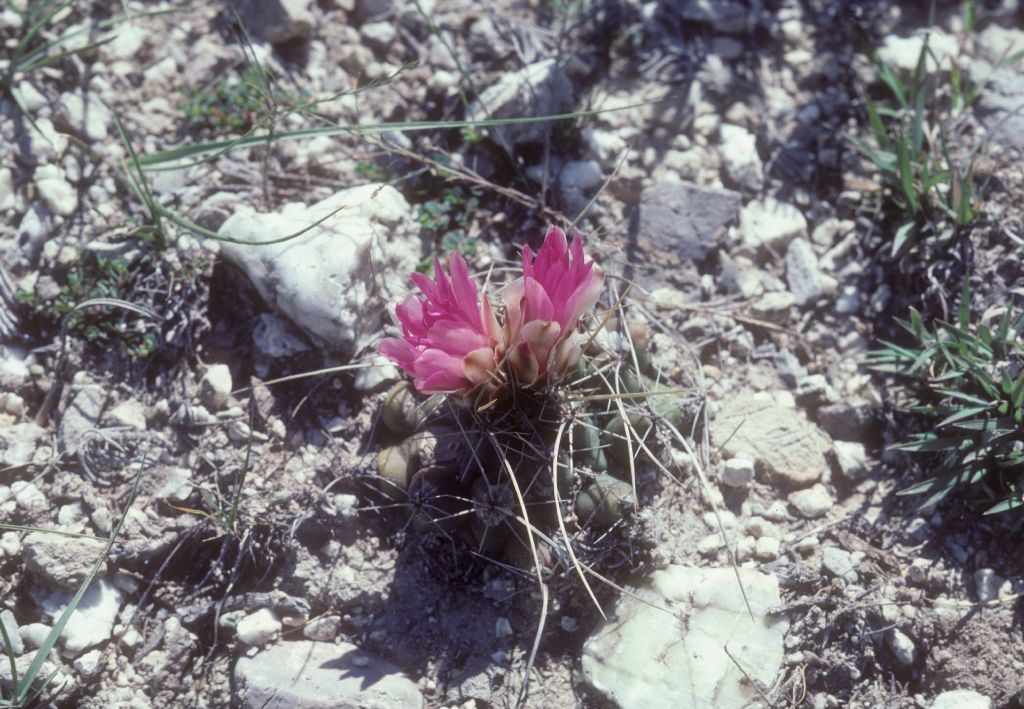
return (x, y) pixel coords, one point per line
(877, 127)
(9, 651)
(160, 159)
(58, 627)
(1005, 506)
(32, 32)
(233, 517)
(964, 310)
(902, 242)
(202, 231)
(906, 172)
(963, 414)
(889, 78)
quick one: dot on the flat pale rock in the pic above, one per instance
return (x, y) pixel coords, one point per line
(316, 675)
(777, 437)
(62, 561)
(646, 657)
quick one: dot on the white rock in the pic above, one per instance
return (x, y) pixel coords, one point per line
(28, 497)
(127, 42)
(738, 149)
(767, 548)
(768, 223)
(803, 276)
(8, 198)
(34, 634)
(379, 35)
(273, 338)
(645, 655)
(605, 145)
(902, 647)
(852, 459)
(334, 280)
(11, 628)
(31, 98)
(92, 621)
(89, 664)
(9, 542)
(316, 675)
(709, 545)
(215, 386)
(59, 196)
(903, 52)
(961, 699)
(176, 485)
(18, 443)
(813, 502)
(130, 413)
(258, 628)
(987, 583)
(839, 563)
(738, 472)
(70, 515)
(83, 115)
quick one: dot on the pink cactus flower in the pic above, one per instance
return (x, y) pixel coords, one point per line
(450, 338)
(544, 307)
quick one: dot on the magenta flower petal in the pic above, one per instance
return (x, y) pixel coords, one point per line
(557, 288)
(450, 340)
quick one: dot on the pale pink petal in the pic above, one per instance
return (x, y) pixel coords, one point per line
(479, 365)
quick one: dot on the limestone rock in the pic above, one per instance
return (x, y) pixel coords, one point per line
(903, 52)
(215, 386)
(778, 438)
(802, 273)
(321, 676)
(961, 699)
(83, 115)
(769, 224)
(18, 443)
(644, 657)
(63, 561)
(334, 280)
(59, 196)
(738, 150)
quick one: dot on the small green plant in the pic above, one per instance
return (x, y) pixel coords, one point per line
(223, 516)
(931, 193)
(970, 379)
(929, 183)
(369, 170)
(232, 105)
(447, 220)
(98, 277)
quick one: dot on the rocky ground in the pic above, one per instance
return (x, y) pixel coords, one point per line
(722, 185)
